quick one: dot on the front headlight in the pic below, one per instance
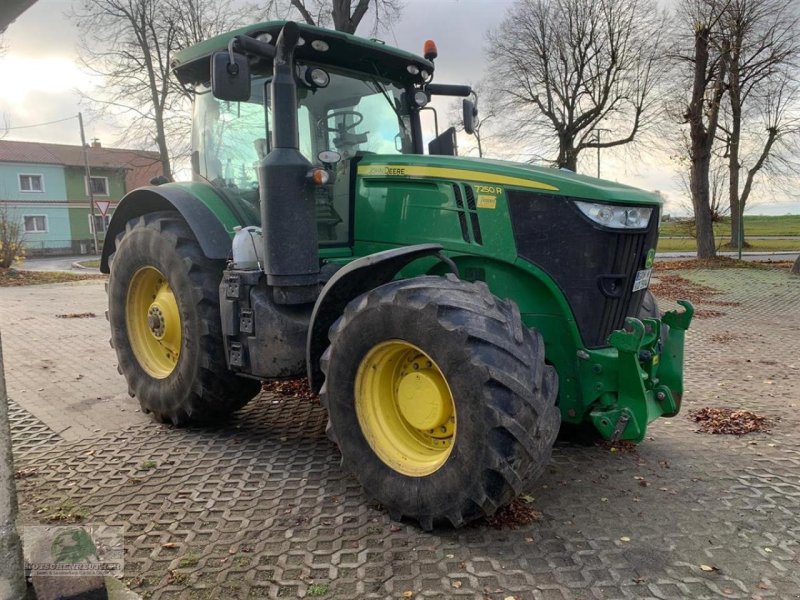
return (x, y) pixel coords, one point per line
(616, 217)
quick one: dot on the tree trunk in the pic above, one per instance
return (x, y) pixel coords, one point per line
(567, 155)
(734, 167)
(702, 138)
(163, 150)
(704, 231)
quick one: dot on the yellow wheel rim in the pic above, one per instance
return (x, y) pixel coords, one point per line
(154, 322)
(405, 408)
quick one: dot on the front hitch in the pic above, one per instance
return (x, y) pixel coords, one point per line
(649, 375)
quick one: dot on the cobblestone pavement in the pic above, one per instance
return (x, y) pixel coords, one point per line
(63, 370)
(259, 508)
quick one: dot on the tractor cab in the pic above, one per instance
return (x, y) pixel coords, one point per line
(341, 115)
(353, 98)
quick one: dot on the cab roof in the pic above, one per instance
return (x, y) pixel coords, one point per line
(192, 65)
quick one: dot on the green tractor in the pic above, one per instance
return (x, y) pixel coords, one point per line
(451, 312)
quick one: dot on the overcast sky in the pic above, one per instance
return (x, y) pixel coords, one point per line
(40, 77)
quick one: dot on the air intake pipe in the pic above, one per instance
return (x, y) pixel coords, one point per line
(288, 211)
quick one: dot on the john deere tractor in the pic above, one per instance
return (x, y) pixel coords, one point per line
(451, 312)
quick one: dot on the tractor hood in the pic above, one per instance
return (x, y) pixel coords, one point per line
(505, 173)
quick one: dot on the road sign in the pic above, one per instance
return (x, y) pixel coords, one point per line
(102, 206)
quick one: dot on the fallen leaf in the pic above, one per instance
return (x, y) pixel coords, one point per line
(763, 585)
(407, 594)
(457, 585)
(624, 538)
(708, 568)
(169, 545)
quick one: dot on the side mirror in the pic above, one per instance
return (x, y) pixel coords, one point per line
(470, 112)
(230, 76)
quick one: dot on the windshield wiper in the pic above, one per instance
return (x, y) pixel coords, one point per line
(382, 89)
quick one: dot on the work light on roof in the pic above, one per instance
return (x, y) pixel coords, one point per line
(320, 45)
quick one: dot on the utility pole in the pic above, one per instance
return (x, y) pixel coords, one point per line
(12, 573)
(597, 138)
(598, 153)
(89, 183)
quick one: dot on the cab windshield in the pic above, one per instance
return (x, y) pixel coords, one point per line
(354, 114)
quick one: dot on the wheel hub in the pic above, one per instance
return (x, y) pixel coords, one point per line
(423, 400)
(154, 322)
(405, 408)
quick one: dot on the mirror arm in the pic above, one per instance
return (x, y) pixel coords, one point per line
(248, 45)
(446, 89)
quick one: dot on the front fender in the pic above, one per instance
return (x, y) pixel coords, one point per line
(208, 216)
(349, 282)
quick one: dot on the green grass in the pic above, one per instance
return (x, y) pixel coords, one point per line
(90, 264)
(14, 278)
(318, 589)
(689, 245)
(66, 511)
(753, 226)
(190, 560)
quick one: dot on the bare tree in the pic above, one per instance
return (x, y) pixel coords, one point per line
(481, 134)
(701, 57)
(342, 15)
(762, 36)
(130, 44)
(12, 246)
(568, 68)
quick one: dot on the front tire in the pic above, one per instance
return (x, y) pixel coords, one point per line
(163, 307)
(439, 399)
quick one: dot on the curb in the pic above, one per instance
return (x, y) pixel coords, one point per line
(80, 267)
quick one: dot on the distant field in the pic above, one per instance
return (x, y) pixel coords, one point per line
(673, 245)
(753, 226)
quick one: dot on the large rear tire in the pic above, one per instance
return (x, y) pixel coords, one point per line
(439, 399)
(649, 308)
(163, 307)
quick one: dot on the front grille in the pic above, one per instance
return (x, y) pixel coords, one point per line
(594, 267)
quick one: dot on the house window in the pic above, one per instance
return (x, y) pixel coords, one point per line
(35, 223)
(30, 183)
(100, 223)
(99, 186)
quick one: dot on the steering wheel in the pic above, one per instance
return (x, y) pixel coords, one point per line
(343, 127)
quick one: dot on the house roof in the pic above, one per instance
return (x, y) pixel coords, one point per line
(141, 165)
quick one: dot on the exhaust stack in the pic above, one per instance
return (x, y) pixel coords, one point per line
(288, 211)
